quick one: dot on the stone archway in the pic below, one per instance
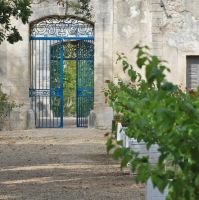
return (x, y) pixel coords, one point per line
(48, 37)
(15, 62)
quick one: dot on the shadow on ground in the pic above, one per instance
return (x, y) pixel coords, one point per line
(61, 165)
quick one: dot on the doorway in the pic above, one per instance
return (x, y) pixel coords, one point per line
(62, 74)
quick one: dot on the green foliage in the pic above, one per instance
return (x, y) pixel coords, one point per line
(69, 78)
(5, 106)
(85, 79)
(158, 112)
(4, 100)
(82, 7)
(19, 9)
(70, 88)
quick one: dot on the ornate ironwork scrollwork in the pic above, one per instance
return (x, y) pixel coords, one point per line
(58, 27)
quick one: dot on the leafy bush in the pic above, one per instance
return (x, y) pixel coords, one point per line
(69, 88)
(158, 112)
(5, 107)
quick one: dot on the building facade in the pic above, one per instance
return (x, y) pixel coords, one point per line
(169, 27)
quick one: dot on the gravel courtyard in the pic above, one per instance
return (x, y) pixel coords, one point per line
(61, 164)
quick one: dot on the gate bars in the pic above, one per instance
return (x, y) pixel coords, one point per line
(85, 81)
(46, 87)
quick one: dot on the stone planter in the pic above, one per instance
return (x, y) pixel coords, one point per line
(151, 192)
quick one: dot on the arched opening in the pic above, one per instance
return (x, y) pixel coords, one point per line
(62, 71)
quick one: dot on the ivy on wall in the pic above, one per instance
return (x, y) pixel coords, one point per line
(82, 7)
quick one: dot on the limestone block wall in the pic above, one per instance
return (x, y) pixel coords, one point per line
(15, 62)
(119, 26)
(15, 67)
(175, 34)
(103, 59)
(15, 77)
(132, 25)
(169, 27)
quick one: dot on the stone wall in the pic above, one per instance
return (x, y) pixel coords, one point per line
(132, 24)
(103, 59)
(169, 27)
(14, 77)
(176, 35)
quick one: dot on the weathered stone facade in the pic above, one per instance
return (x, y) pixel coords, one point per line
(169, 27)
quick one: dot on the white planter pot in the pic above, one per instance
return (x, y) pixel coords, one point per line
(151, 192)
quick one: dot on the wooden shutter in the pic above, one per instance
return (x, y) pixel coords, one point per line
(192, 72)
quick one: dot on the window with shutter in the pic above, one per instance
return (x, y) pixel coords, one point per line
(192, 72)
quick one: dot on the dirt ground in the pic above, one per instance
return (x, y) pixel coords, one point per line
(61, 164)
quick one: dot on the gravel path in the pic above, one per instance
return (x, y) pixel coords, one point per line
(61, 164)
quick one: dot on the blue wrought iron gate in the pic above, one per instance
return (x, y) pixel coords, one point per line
(48, 47)
(85, 81)
(46, 89)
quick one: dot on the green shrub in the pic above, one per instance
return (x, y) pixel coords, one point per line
(158, 112)
(5, 107)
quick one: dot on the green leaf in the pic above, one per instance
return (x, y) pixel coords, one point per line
(132, 74)
(109, 145)
(117, 153)
(197, 180)
(159, 181)
(143, 173)
(131, 105)
(125, 65)
(141, 61)
(126, 159)
(120, 142)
